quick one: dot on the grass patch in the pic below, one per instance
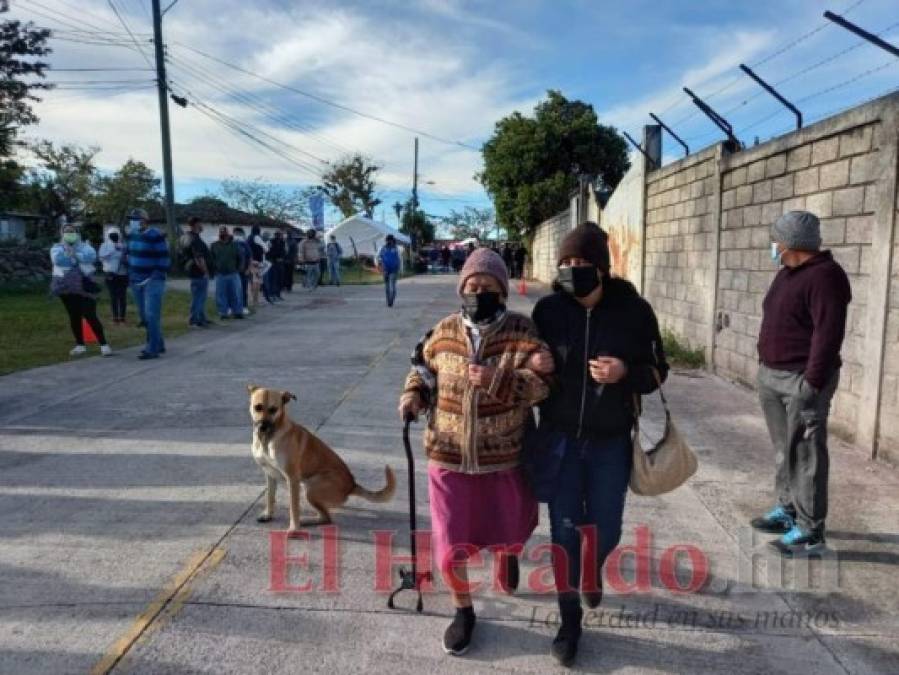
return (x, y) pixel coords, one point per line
(681, 355)
(355, 273)
(34, 330)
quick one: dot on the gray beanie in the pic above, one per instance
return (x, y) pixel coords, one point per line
(798, 230)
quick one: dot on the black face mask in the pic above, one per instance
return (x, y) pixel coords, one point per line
(579, 281)
(480, 307)
(114, 238)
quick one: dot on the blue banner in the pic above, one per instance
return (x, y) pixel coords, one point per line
(317, 211)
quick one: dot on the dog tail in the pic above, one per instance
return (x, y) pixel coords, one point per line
(385, 494)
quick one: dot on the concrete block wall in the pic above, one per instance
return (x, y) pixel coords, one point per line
(681, 228)
(545, 246)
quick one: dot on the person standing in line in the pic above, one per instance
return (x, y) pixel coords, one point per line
(290, 260)
(445, 258)
(509, 258)
(606, 352)
(803, 326)
(197, 262)
(258, 247)
(322, 259)
(389, 267)
(246, 257)
(73, 265)
(310, 254)
(226, 259)
(148, 266)
(334, 253)
(276, 255)
(115, 266)
(521, 255)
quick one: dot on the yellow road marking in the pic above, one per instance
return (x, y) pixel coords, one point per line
(173, 594)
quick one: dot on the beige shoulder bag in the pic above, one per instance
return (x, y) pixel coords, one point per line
(667, 465)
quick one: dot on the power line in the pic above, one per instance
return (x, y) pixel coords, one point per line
(212, 82)
(242, 128)
(328, 102)
(128, 28)
(95, 70)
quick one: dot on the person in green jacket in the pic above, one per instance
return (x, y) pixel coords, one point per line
(226, 259)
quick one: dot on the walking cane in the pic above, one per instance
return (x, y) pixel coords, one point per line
(410, 579)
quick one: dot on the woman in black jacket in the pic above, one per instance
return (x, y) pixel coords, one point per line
(607, 352)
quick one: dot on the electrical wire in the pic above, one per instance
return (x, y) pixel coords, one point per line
(328, 102)
(211, 81)
(113, 7)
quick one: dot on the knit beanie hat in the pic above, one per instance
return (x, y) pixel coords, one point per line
(798, 230)
(588, 241)
(485, 261)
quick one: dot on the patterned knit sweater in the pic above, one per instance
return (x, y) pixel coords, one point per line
(476, 430)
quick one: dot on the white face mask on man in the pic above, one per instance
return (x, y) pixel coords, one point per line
(776, 253)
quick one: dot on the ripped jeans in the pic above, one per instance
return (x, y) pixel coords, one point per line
(588, 507)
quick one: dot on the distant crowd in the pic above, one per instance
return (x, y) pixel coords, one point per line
(242, 267)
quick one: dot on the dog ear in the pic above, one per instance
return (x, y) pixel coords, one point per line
(287, 396)
(251, 388)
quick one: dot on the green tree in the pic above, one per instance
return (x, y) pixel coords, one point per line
(350, 185)
(134, 184)
(20, 44)
(471, 222)
(531, 164)
(67, 176)
(417, 225)
(266, 199)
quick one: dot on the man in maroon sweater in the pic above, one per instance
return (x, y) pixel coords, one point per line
(803, 324)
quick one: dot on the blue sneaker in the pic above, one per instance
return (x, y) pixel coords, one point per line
(777, 521)
(799, 543)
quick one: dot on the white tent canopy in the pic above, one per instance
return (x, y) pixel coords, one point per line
(368, 236)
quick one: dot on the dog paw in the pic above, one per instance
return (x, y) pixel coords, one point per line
(264, 518)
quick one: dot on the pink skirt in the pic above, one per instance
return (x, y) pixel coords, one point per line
(478, 511)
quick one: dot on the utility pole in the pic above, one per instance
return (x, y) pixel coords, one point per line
(162, 87)
(415, 188)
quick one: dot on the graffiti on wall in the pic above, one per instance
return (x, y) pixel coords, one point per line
(622, 218)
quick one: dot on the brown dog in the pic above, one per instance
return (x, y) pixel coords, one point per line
(286, 450)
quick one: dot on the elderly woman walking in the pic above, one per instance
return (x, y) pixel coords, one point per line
(479, 359)
(606, 352)
(73, 266)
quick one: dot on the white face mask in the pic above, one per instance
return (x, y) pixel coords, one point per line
(776, 255)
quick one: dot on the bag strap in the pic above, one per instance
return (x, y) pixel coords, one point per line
(638, 411)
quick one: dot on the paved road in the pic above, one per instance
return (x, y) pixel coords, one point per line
(128, 537)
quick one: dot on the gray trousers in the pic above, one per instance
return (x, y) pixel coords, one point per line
(797, 422)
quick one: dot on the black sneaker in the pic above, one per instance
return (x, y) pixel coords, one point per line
(777, 521)
(457, 637)
(564, 647)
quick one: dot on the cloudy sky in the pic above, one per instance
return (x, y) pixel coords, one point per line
(447, 68)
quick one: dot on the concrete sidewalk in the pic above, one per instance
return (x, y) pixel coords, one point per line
(129, 536)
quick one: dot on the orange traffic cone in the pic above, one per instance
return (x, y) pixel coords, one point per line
(88, 333)
(522, 287)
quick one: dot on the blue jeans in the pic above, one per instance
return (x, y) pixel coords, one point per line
(139, 301)
(334, 271)
(149, 300)
(227, 294)
(592, 486)
(199, 289)
(312, 273)
(390, 287)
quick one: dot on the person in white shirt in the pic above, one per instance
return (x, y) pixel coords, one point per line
(113, 255)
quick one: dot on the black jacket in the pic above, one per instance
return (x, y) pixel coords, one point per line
(622, 325)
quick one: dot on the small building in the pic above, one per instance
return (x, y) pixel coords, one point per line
(14, 224)
(213, 213)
